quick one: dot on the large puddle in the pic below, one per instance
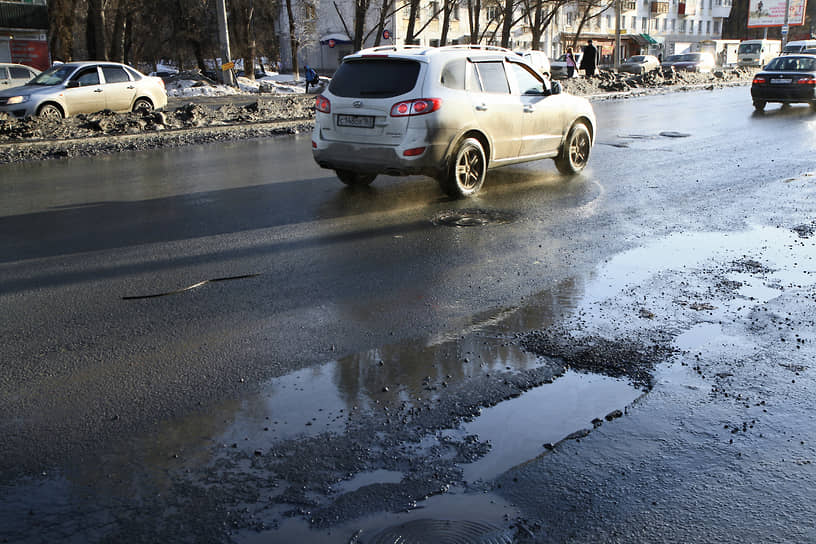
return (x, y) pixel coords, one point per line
(319, 401)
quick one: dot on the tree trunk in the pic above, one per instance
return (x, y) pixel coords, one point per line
(97, 46)
(293, 41)
(474, 13)
(117, 50)
(507, 23)
(412, 16)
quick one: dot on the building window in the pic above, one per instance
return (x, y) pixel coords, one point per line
(433, 10)
(699, 27)
(643, 24)
(716, 27)
(492, 13)
(455, 12)
(708, 27)
(683, 26)
(569, 18)
(673, 21)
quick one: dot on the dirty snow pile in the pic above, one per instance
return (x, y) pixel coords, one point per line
(658, 80)
(194, 83)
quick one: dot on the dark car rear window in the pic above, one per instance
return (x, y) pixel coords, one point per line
(374, 78)
(792, 64)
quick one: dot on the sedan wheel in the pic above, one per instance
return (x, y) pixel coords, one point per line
(574, 153)
(50, 111)
(142, 104)
(467, 173)
(355, 179)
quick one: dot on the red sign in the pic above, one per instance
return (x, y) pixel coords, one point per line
(32, 53)
(387, 34)
(332, 43)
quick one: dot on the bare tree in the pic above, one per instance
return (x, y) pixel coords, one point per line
(589, 10)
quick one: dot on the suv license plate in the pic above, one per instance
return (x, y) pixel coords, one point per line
(357, 121)
(782, 80)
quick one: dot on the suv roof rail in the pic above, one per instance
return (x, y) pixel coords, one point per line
(429, 49)
(476, 46)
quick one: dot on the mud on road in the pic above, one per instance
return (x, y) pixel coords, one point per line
(239, 117)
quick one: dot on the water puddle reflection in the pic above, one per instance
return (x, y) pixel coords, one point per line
(518, 429)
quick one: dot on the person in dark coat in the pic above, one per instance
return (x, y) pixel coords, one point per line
(589, 59)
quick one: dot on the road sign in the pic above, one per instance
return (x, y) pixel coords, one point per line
(387, 34)
(332, 43)
(228, 66)
(784, 29)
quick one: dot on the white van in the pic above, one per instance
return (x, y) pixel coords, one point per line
(798, 46)
(757, 52)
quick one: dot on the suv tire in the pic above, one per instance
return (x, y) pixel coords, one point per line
(574, 153)
(355, 179)
(467, 171)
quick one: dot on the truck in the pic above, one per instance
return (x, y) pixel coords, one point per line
(723, 51)
(758, 52)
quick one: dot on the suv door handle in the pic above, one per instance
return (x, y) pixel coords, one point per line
(529, 108)
(97, 90)
(131, 87)
(481, 107)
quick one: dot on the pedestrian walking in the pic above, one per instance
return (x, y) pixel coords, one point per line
(571, 64)
(589, 59)
(311, 77)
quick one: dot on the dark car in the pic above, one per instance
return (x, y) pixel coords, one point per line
(788, 80)
(690, 62)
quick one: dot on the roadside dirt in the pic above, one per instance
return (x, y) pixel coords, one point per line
(236, 117)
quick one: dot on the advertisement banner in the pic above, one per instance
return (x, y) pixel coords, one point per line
(32, 53)
(763, 13)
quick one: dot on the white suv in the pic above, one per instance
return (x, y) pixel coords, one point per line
(450, 113)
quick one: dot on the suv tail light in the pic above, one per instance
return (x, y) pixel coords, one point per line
(807, 81)
(420, 106)
(758, 80)
(322, 104)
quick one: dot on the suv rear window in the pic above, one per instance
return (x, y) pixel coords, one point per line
(374, 78)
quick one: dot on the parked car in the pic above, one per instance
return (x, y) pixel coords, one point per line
(558, 67)
(538, 60)
(639, 64)
(787, 79)
(690, 62)
(84, 87)
(451, 113)
(14, 75)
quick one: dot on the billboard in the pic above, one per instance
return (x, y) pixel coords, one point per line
(772, 12)
(33, 53)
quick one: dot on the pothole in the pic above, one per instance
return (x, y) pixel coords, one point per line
(674, 134)
(471, 218)
(443, 532)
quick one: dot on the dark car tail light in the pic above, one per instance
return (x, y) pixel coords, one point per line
(421, 106)
(759, 80)
(322, 104)
(807, 81)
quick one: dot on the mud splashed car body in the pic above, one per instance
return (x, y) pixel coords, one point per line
(451, 113)
(84, 87)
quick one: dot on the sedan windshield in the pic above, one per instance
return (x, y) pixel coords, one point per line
(792, 64)
(636, 59)
(53, 76)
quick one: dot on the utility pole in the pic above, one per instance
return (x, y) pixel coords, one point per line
(785, 27)
(617, 34)
(223, 38)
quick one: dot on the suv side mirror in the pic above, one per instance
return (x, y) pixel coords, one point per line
(555, 87)
(73, 84)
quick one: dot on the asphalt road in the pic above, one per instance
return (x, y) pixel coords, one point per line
(103, 384)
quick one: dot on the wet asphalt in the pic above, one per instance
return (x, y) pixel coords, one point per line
(365, 362)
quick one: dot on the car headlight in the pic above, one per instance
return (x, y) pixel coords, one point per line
(19, 99)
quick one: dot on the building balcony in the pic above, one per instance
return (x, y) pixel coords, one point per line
(721, 12)
(659, 8)
(686, 9)
(628, 5)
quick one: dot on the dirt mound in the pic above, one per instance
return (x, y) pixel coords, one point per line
(108, 123)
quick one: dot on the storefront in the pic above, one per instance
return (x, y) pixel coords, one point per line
(23, 34)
